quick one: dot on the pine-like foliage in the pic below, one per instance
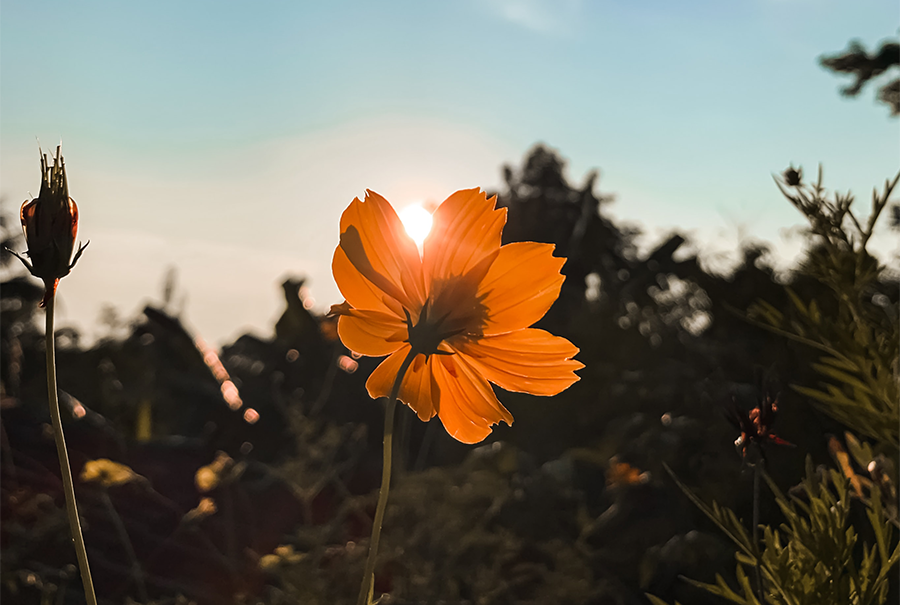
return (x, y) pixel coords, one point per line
(853, 322)
(815, 557)
(822, 554)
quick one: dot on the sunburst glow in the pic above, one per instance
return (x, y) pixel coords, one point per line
(417, 222)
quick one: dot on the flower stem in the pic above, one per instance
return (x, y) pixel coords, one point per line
(759, 585)
(66, 471)
(368, 581)
(137, 573)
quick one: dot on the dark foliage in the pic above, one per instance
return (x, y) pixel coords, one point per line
(865, 67)
(568, 503)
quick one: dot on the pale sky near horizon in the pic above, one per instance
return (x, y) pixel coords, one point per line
(226, 139)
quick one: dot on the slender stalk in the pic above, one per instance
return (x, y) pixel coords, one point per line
(66, 471)
(136, 571)
(425, 447)
(759, 585)
(368, 581)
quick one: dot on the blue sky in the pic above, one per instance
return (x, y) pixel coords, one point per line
(226, 138)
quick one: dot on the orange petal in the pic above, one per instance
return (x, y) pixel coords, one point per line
(371, 332)
(520, 286)
(418, 389)
(359, 291)
(466, 228)
(382, 378)
(468, 406)
(526, 361)
(27, 216)
(376, 244)
(73, 221)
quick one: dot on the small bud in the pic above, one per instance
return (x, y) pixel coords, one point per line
(792, 176)
(50, 223)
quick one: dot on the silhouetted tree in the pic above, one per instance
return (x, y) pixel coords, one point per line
(865, 67)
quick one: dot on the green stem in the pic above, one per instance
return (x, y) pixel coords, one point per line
(66, 471)
(758, 553)
(136, 572)
(368, 581)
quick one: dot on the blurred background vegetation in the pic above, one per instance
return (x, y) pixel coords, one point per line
(247, 475)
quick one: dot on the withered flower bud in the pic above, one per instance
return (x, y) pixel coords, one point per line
(755, 426)
(50, 223)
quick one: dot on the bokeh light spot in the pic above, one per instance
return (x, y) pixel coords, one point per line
(251, 416)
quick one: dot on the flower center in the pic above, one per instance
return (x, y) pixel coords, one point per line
(428, 333)
(453, 309)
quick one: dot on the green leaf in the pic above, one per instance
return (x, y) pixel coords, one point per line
(814, 315)
(767, 311)
(797, 301)
(654, 600)
(842, 377)
(876, 517)
(726, 522)
(744, 581)
(861, 452)
(720, 588)
(844, 364)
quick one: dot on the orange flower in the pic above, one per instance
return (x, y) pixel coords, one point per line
(463, 309)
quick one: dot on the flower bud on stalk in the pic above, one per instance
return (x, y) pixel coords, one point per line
(50, 223)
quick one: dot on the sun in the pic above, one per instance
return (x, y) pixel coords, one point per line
(417, 222)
